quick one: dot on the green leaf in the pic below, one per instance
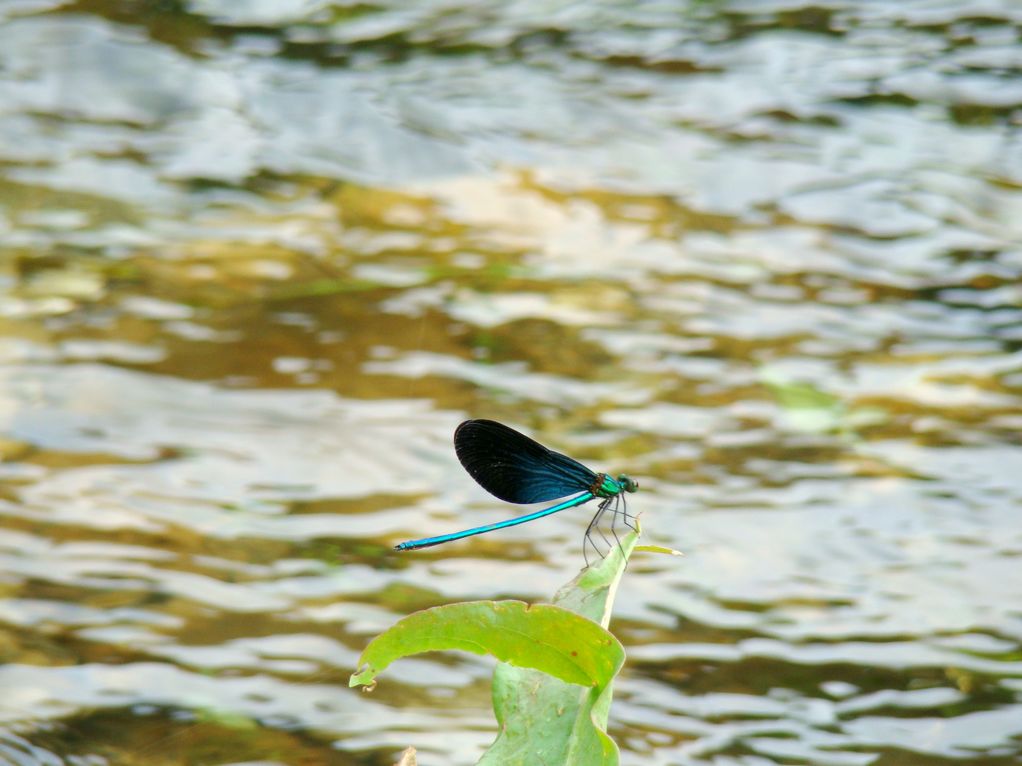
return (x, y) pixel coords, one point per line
(552, 689)
(543, 719)
(544, 637)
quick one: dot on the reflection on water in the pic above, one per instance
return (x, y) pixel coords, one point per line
(259, 259)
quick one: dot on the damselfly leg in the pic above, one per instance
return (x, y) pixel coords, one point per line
(627, 516)
(595, 524)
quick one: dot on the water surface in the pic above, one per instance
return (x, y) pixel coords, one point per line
(257, 260)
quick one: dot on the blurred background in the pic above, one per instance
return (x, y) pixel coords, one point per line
(258, 259)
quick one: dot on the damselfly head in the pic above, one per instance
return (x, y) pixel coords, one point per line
(630, 485)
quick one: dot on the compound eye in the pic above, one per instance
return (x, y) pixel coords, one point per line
(629, 484)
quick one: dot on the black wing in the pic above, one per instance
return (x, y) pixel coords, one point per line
(513, 467)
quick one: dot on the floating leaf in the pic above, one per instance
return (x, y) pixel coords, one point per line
(808, 409)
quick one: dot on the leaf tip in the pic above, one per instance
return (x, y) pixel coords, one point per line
(363, 677)
(658, 549)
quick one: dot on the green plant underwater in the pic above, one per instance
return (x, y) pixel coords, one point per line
(552, 688)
